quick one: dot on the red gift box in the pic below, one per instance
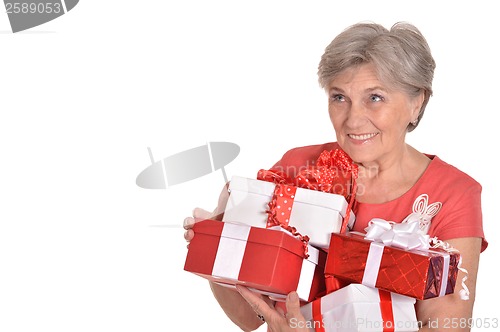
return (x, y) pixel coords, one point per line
(270, 261)
(414, 273)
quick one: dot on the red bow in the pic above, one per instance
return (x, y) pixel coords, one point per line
(335, 173)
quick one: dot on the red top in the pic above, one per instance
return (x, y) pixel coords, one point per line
(460, 195)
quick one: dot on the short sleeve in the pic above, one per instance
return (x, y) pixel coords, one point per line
(461, 214)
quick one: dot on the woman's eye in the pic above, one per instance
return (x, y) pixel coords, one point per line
(338, 98)
(376, 98)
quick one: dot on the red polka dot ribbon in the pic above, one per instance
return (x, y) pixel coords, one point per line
(335, 173)
(280, 206)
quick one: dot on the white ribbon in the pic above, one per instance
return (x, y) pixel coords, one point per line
(464, 292)
(372, 267)
(405, 235)
(444, 276)
(307, 270)
(232, 245)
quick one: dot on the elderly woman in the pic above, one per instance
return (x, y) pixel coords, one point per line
(378, 84)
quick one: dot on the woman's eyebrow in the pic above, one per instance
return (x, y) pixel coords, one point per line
(370, 89)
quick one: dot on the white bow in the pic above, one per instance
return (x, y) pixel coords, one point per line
(405, 235)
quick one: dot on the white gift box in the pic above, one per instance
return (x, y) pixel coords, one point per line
(313, 213)
(360, 308)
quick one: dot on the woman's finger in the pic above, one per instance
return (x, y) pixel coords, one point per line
(202, 214)
(188, 235)
(293, 314)
(261, 308)
(188, 223)
(292, 305)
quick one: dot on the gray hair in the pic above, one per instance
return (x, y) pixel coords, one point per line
(401, 56)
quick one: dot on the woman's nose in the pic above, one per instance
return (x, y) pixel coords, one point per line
(357, 115)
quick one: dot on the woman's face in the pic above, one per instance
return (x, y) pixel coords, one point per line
(370, 119)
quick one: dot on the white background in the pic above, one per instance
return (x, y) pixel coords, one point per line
(82, 248)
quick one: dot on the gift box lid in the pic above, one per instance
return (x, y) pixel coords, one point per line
(275, 236)
(360, 293)
(428, 253)
(303, 195)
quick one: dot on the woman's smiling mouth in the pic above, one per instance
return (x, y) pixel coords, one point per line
(362, 137)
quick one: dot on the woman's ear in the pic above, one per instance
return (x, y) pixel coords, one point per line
(417, 103)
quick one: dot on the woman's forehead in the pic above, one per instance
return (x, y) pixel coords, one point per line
(365, 74)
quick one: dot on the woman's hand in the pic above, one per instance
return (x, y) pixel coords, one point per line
(198, 215)
(276, 320)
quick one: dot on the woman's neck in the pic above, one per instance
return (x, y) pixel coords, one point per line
(387, 179)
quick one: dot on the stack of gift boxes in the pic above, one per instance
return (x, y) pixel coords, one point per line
(282, 234)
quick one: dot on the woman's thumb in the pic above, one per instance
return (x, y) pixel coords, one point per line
(202, 214)
(293, 306)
